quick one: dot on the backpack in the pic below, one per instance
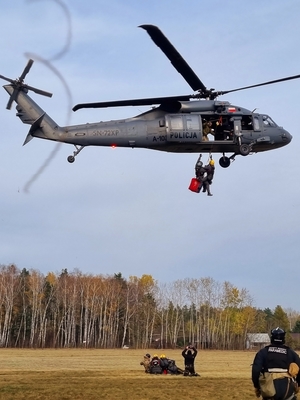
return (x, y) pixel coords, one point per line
(155, 367)
(164, 363)
(172, 368)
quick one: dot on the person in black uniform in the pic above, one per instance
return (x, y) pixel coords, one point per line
(277, 358)
(199, 169)
(155, 367)
(189, 360)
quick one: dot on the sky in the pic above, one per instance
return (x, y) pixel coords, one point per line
(130, 210)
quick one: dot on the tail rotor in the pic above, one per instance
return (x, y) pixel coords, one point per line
(19, 85)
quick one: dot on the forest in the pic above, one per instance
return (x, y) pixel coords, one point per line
(73, 309)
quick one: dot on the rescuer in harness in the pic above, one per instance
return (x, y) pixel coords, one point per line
(204, 175)
(208, 178)
(199, 170)
(275, 369)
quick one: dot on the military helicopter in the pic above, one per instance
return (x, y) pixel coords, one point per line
(175, 124)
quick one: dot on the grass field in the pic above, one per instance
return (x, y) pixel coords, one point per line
(116, 374)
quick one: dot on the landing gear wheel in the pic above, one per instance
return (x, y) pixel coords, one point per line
(224, 162)
(245, 149)
(71, 159)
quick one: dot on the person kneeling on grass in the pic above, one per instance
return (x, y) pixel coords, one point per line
(155, 367)
(189, 354)
(146, 362)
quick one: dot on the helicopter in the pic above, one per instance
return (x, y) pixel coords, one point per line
(173, 124)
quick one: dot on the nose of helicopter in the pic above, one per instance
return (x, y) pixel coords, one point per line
(286, 137)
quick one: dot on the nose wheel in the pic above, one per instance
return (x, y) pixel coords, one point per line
(71, 159)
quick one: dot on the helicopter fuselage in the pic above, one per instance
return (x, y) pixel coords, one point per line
(171, 127)
(178, 124)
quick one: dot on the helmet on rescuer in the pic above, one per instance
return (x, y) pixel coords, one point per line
(212, 162)
(277, 336)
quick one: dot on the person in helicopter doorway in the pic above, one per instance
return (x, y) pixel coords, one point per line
(280, 364)
(207, 180)
(189, 354)
(207, 130)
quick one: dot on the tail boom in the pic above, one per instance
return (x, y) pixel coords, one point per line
(42, 126)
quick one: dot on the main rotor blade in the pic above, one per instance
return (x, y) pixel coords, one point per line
(259, 84)
(176, 59)
(133, 102)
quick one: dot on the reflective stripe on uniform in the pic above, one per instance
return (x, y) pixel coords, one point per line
(277, 370)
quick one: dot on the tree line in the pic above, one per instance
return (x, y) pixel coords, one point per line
(73, 309)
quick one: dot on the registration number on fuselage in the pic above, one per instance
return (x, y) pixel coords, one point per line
(106, 132)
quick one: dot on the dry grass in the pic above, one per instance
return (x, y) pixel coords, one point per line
(116, 374)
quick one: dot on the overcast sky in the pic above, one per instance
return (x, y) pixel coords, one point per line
(130, 210)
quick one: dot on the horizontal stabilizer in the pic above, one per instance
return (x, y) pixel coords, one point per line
(34, 127)
(37, 124)
(28, 138)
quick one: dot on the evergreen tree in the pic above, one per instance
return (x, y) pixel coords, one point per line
(296, 328)
(281, 318)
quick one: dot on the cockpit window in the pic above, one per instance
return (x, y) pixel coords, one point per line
(247, 123)
(267, 121)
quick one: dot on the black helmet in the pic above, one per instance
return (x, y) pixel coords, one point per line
(277, 336)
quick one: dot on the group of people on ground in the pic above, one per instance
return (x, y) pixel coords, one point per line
(163, 365)
(160, 365)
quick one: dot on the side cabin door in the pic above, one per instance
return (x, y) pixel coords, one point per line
(184, 127)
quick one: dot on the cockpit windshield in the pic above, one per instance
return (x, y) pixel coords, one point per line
(267, 121)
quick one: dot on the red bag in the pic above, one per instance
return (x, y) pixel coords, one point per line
(195, 185)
